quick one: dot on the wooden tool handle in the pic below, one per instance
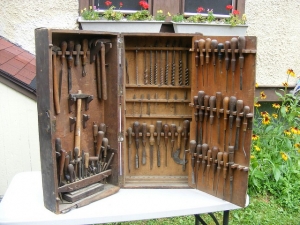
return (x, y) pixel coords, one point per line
(196, 53)
(151, 139)
(100, 137)
(129, 132)
(206, 104)
(63, 47)
(218, 103)
(204, 151)
(207, 46)
(95, 132)
(208, 157)
(198, 151)
(215, 151)
(62, 162)
(144, 133)
(166, 133)
(212, 105)
(102, 127)
(233, 45)
(136, 127)
(219, 159)
(158, 131)
(242, 45)
(225, 161)
(213, 46)
(245, 120)
(239, 109)
(78, 123)
(77, 49)
(105, 144)
(85, 47)
(103, 72)
(179, 132)
(192, 151)
(225, 108)
(201, 45)
(201, 95)
(195, 107)
(227, 60)
(173, 130)
(220, 47)
(86, 160)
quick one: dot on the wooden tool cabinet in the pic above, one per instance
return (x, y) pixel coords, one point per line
(151, 83)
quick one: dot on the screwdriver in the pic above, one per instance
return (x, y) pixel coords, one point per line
(212, 105)
(201, 95)
(233, 45)
(227, 61)
(225, 108)
(198, 152)
(207, 46)
(241, 44)
(144, 135)
(208, 165)
(196, 60)
(219, 159)
(158, 131)
(151, 141)
(166, 134)
(173, 130)
(213, 46)
(232, 108)
(136, 127)
(206, 101)
(230, 163)
(220, 47)
(204, 153)
(225, 161)
(196, 117)
(70, 61)
(245, 124)
(129, 132)
(239, 109)
(218, 106)
(186, 128)
(214, 153)
(192, 151)
(201, 45)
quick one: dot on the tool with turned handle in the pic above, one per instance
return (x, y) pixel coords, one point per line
(204, 154)
(70, 61)
(227, 60)
(144, 136)
(158, 131)
(151, 141)
(196, 117)
(196, 60)
(201, 45)
(186, 128)
(208, 165)
(245, 125)
(239, 109)
(218, 107)
(241, 45)
(136, 127)
(85, 47)
(207, 46)
(220, 47)
(225, 109)
(198, 152)
(219, 159)
(230, 164)
(129, 132)
(225, 161)
(214, 153)
(233, 44)
(173, 130)
(232, 109)
(213, 46)
(201, 95)
(206, 104)
(192, 152)
(166, 136)
(212, 105)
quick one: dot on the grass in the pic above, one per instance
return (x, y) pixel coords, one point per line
(262, 210)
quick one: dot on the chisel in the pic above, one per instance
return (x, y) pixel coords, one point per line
(100, 136)
(86, 163)
(207, 46)
(196, 117)
(212, 105)
(220, 47)
(56, 97)
(95, 134)
(201, 95)
(230, 164)
(136, 127)
(225, 109)
(239, 109)
(196, 60)
(208, 165)
(245, 124)
(63, 47)
(213, 46)
(144, 135)
(151, 141)
(129, 132)
(105, 145)
(225, 161)
(85, 47)
(192, 151)
(198, 152)
(186, 128)
(206, 104)
(158, 131)
(242, 45)
(218, 107)
(70, 61)
(233, 45)
(201, 45)
(61, 166)
(173, 130)
(214, 153)
(219, 159)
(204, 154)
(227, 60)
(232, 108)
(166, 136)
(77, 58)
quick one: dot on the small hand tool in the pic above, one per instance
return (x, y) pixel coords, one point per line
(212, 105)
(214, 153)
(76, 154)
(245, 124)
(220, 47)
(56, 97)
(63, 154)
(71, 172)
(192, 152)
(63, 47)
(167, 65)
(67, 162)
(95, 134)
(173, 65)
(136, 128)
(176, 154)
(233, 44)
(196, 117)
(86, 163)
(239, 109)
(173, 130)
(227, 60)
(198, 152)
(70, 61)
(218, 107)
(204, 154)
(105, 146)
(206, 104)
(186, 78)
(196, 59)
(180, 72)
(129, 132)
(100, 136)
(207, 46)
(213, 46)
(208, 165)
(145, 68)
(230, 164)
(151, 141)
(201, 95)
(201, 45)
(242, 45)
(77, 57)
(136, 67)
(158, 131)
(219, 159)
(144, 136)
(232, 109)
(82, 164)
(166, 136)
(103, 72)
(102, 127)
(85, 45)
(186, 128)
(225, 109)
(225, 161)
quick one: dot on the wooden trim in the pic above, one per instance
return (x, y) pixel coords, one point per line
(241, 6)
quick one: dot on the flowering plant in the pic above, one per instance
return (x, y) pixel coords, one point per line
(144, 14)
(89, 14)
(111, 13)
(234, 18)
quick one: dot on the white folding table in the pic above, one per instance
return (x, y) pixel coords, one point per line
(23, 204)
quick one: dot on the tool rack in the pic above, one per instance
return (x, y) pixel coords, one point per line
(147, 91)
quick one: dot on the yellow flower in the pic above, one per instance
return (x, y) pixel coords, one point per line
(81, 11)
(257, 148)
(264, 113)
(276, 105)
(255, 137)
(284, 156)
(256, 85)
(263, 95)
(159, 11)
(91, 7)
(297, 145)
(285, 84)
(287, 132)
(291, 72)
(169, 14)
(266, 120)
(274, 115)
(295, 130)
(257, 105)
(252, 157)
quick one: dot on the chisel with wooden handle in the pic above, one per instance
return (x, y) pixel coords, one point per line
(227, 60)
(232, 109)
(100, 136)
(219, 159)
(214, 153)
(136, 127)
(206, 116)
(192, 151)
(103, 72)
(85, 44)
(158, 131)
(233, 44)
(186, 128)
(70, 61)
(204, 154)
(152, 142)
(144, 135)
(225, 109)
(198, 152)
(241, 45)
(208, 165)
(245, 125)
(55, 50)
(212, 105)
(196, 60)
(218, 107)
(173, 130)
(129, 132)
(77, 57)
(230, 164)
(201, 95)
(201, 45)
(63, 47)
(220, 47)
(61, 166)
(225, 161)
(213, 46)
(239, 109)
(196, 117)
(207, 46)
(166, 136)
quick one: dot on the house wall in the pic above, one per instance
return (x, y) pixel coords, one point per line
(19, 144)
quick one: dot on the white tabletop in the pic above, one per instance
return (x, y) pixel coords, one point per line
(23, 204)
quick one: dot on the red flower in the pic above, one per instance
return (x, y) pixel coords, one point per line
(236, 12)
(200, 9)
(107, 3)
(121, 4)
(229, 7)
(144, 4)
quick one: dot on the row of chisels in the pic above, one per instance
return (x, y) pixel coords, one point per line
(154, 135)
(210, 112)
(209, 52)
(74, 56)
(210, 166)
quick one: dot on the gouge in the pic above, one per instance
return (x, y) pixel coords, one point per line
(230, 163)
(136, 127)
(219, 159)
(129, 132)
(220, 47)
(239, 109)
(241, 44)
(233, 45)
(214, 153)
(196, 117)
(245, 124)
(144, 136)
(151, 141)
(192, 152)
(186, 128)
(204, 154)
(158, 131)
(196, 60)
(198, 152)
(213, 46)
(201, 95)
(207, 46)
(225, 109)
(218, 107)
(206, 104)
(227, 60)
(208, 165)
(232, 109)
(173, 130)
(212, 105)
(201, 45)
(166, 136)
(225, 161)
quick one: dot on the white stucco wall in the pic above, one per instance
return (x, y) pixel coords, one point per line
(19, 139)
